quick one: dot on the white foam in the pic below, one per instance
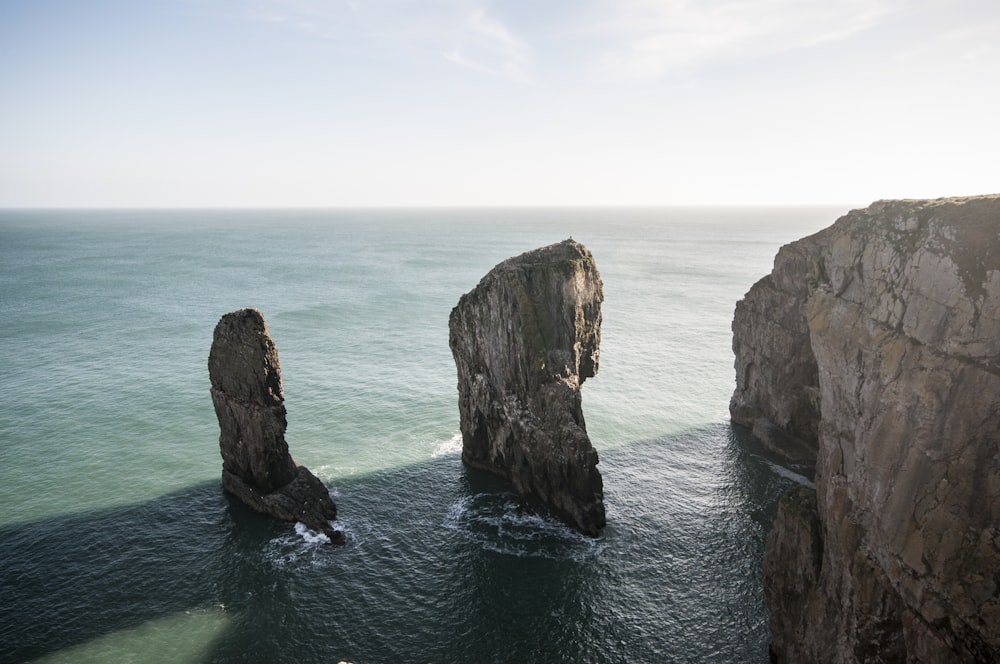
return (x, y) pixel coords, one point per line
(310, 536)
(330, 472)
(791, 475)
(498, 523)
(327, 470)
(304, 546)
(448, 447)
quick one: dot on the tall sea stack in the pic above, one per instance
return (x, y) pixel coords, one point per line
(524, 341)
(249, 403)
(877, 342)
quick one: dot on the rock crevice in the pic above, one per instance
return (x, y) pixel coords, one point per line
(524, 341)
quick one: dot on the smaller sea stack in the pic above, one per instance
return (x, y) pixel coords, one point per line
(524, 341)
(247, 394)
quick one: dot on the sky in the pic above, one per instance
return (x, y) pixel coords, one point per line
(327, 103)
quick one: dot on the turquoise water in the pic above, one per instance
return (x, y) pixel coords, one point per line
(118, 544)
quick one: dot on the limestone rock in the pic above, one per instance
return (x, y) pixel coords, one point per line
(900, 312)
(249, 403)
(793, 558)
(777, 384)
(524, 341)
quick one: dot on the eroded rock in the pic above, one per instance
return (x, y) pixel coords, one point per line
(249, 403)
(524, 341)
(900, 312)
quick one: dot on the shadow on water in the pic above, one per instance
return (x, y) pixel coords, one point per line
(440, 565)
(71, 579)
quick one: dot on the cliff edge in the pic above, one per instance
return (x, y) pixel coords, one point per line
(524, 341)
(249, 403)
(876, 343)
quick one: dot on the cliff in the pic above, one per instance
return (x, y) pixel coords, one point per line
(247, 393)
(890, 320)
(524, 341)
(777, 381)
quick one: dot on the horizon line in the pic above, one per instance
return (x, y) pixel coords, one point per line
(421, 206)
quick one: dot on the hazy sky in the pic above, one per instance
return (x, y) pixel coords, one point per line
(519, 102)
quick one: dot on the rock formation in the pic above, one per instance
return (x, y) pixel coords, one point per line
(777, 384)
(524, 340)
(256, 466)
(878, 341)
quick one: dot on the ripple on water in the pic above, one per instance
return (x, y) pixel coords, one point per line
(499, 522)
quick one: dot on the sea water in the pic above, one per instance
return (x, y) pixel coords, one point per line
(118, 544)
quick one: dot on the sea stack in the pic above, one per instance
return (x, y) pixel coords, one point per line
(524, 341)
(249, 402)
(877, 342)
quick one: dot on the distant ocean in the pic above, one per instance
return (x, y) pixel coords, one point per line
(118, 545)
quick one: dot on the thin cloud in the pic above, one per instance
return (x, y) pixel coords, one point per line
(495, 31)
(310, 15)
(464, 32)
(653, 39)
(970, 48)
(504, 69)
(496, 50)
(456, 56)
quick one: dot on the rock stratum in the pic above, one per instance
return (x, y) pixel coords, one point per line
(524, 341)
(249, 403)
(875, 346)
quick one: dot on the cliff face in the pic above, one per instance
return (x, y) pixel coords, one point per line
(777, 382)
(524, 340)
(249, 403)
(900, 315)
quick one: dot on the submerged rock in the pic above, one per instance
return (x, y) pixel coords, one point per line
(247, 393)
(524, 341)
(893, 316)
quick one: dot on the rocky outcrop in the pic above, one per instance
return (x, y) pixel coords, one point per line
(777, 382)
(897, 307)
(249, 403)
(524, 341)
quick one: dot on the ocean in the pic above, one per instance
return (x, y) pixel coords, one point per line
(117, 543)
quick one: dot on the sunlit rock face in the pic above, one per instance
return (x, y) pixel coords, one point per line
(524, 341)
(247, 393)
(897, 308)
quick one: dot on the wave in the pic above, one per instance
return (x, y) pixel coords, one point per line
(790, 475)
(307, 546)
(500, 523)
(448, 447)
